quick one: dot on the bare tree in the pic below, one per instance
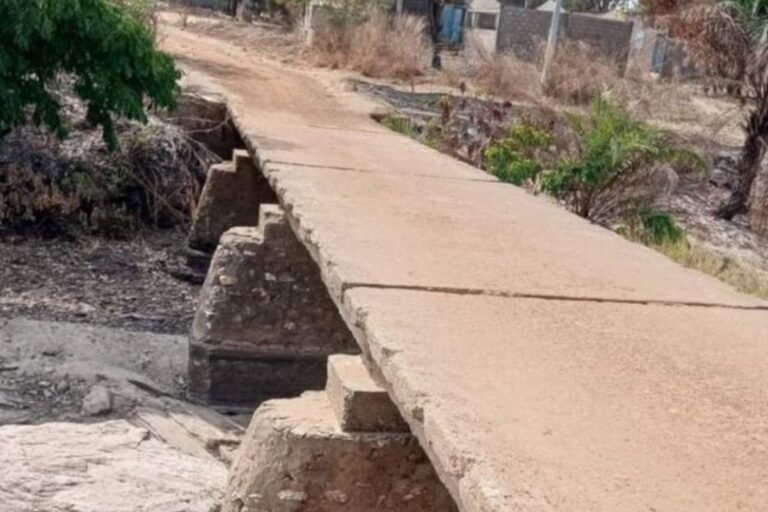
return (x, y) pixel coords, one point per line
(754, 92)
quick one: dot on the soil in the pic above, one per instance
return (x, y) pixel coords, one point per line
(127, 284)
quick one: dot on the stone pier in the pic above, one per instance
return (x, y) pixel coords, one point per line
(307, 454)
(231, 197)
(265, 325)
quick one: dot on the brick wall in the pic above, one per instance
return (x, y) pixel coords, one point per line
(522, 30)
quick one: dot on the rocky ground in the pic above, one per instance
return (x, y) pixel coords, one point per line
(73, 372)
(112, 466)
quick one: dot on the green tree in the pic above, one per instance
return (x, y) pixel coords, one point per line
(109, 53)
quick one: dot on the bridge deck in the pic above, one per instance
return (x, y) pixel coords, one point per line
(544, 363)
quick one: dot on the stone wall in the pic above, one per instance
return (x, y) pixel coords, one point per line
(522, 30)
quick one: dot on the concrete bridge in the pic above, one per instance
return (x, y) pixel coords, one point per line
(543, 363)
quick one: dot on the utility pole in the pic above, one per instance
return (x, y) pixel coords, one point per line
(554, 33)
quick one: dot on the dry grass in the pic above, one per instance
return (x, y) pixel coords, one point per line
(379, 47)
(742, 276)
(504, 75)
(579, 73)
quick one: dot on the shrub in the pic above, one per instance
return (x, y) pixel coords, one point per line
(109, 52)
(373, 43)
(618, 160)
(144, 11)
(651, 226)
(393, 47)
(516, 158)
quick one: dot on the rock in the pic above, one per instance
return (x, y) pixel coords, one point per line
(97, 402)
(9, 417)
(108, 466)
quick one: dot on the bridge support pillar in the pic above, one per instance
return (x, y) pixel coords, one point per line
(231, 196)
(264, 325)
(306, 454)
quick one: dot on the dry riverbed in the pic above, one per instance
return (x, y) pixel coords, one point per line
(137, 284)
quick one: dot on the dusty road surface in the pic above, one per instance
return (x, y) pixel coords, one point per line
(544, 363)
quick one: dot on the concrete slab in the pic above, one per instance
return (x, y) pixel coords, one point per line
(386, 230)
(363, 147)
(379, 208)
(527, 404)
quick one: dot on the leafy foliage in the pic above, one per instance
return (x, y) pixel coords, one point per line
(617, 160)
(108, 51)
(651, 226)
(142, 10)
(513, 159)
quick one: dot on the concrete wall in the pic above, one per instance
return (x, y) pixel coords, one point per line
(652, 51)
(484, 5)
(522, 30)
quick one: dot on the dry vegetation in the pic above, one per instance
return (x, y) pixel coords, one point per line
(381, 46)
(75, 186)
(579, 73)
(504, 76)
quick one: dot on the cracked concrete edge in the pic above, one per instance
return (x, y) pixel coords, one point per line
(471, 493)
(331, 279)
(472, 489)
(473, 483)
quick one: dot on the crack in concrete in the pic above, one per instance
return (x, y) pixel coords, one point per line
(371, 171)
(342, 129)
(449, 290)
